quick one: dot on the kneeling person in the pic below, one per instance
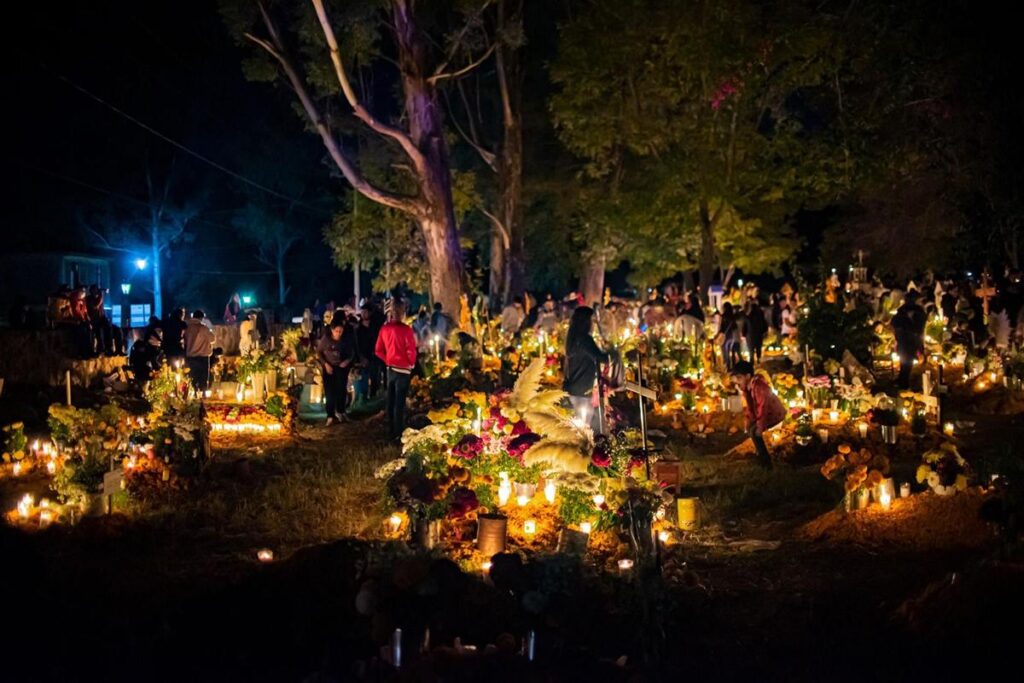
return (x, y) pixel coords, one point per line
(764, 410)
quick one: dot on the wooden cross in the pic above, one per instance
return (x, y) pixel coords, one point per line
(985, 292)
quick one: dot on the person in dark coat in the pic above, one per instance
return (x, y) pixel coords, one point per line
(583, 359)
(757, 327)
(174, 333)
(336, 352)
(908, 327)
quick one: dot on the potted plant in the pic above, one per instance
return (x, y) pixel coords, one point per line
(886, 417)
(944, 470)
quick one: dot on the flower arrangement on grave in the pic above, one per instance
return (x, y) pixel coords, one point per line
(860, 469)
(787, 386)
(293, 346)
(884, 413)
(819, 390)
(482, 452)
(854, 397)
(15, 442)
(944, 470)
(91, 440)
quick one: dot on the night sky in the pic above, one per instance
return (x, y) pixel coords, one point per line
(70, 160)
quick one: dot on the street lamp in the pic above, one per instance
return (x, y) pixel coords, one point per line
(141, 263)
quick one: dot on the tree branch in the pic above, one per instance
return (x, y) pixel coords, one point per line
(500, 226)
(458, 40)
(488, 157)
(358, 109)
(433, 80)
(409, 205)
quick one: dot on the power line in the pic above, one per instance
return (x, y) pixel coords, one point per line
(178, 145)
(116, 195)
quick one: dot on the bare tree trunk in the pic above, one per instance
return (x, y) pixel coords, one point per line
(436, 217)
(510, 164)
(592, 279)
(155, 249)
(282, 289)
(496, 283)
(707, 251)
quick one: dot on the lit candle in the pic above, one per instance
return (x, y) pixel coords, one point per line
(862, 427)
(598, 500)
(585, 527)
(45, 517)
(776, 437)
(885, 498)
(25, 506)
(265, 555)
(395, 523)
(833, 415)
(17, 469)
(948, 429)
(437, 348)
(905, 490)
(823, 435)
(485, 566)
(504, 491)
(549, 491)
(664, 536)
(522, 499)
(530, 527)
(625, 565)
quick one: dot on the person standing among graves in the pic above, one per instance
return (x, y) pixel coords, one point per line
(908, 327)
(396, 347)
(757, 327)
(174, 334)
(583, 359)
(198, 349)
(336, 351)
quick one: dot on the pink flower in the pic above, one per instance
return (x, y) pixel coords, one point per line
(468, 447)
(518, 446)
(464, 501)
(601, 457)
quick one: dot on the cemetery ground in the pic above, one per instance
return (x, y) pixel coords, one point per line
(172, 590)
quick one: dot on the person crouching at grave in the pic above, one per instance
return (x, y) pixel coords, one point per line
(764, 410)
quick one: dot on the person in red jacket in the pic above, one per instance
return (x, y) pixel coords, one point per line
(763, 408)
(396, 346)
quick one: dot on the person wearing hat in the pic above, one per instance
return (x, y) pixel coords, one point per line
(763, 408)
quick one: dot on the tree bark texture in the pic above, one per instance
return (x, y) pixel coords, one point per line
(592, 280)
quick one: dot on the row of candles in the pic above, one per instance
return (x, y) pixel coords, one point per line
(46, 450)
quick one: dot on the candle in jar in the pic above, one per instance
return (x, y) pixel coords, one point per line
(549, 491)
(625, 565)
(45, 517)
(395, 523)
(823, 435)
(905, 490)
(504, 492)
(862, 427)
(885, 498)
(17, 469)
(833, 415)
(585, 527)
(265, 555)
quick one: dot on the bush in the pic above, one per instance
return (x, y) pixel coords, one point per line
(829, 329)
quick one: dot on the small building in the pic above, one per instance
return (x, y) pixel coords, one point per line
(29, 278)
